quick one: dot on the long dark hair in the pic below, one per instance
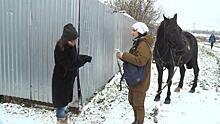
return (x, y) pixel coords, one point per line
(61, 42)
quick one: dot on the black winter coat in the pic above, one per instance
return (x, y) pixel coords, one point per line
(65, 70)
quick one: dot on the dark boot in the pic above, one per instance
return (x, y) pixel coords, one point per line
(137, 122)
(62, 120)
(135, 117)
(134, 122)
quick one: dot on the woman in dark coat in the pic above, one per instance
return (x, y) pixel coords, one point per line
(67, 61)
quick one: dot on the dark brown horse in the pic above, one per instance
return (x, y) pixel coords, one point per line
(174, 47)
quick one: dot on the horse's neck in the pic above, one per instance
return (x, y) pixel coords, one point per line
(162, 45)
(182, 44)
(162, 48)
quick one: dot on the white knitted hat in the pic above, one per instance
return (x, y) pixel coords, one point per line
(140, 27)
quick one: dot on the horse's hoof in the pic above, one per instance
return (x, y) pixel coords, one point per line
(167, 101)
(177, 89)
(156, 99)
(192, 90)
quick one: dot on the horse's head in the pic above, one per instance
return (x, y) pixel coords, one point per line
(170, 31)
(170, 39)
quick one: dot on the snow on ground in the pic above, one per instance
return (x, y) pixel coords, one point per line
(201, 35)
(110, 106)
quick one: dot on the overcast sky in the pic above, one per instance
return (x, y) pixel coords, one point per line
(194, 14)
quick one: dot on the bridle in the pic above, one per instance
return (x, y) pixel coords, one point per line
(162, 64)
(159, 59)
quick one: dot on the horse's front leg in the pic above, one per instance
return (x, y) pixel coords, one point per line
(169, 83)
(182, 74)
(160, 75)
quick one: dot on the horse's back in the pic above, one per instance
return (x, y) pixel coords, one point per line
(191, 40)
(190, 37)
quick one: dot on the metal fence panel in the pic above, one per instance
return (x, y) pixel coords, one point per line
(47, 20)
(28, 34)
(123, 38)
(99, 38)
(15, 54)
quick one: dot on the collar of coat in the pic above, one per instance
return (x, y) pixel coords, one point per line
(137, 39)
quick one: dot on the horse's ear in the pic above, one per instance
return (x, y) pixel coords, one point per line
(175, 16)
(164, 17)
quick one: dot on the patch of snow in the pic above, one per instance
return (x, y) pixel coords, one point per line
(110, 106)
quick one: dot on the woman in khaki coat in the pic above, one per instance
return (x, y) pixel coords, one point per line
(139, 55)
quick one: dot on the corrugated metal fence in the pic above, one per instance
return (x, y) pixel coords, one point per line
(28, 33)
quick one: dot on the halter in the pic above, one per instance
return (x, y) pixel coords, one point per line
(162, 63)
(170, 50)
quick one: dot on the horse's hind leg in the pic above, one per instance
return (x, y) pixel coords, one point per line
(160, 75)
(196, 73)
(182, 74)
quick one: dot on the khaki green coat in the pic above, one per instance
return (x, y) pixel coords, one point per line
(139, 57)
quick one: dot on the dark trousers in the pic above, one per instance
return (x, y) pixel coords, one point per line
(61, 112)
(136, 100)
(212, 45)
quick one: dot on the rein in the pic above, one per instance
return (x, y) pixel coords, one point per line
(169, 81)
(162, 63)
(159, 60)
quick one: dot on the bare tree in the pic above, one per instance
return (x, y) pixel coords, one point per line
(141, 10)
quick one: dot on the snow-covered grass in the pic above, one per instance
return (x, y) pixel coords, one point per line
(110, 106)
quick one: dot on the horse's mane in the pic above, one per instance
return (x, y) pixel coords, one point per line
(160, 30)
